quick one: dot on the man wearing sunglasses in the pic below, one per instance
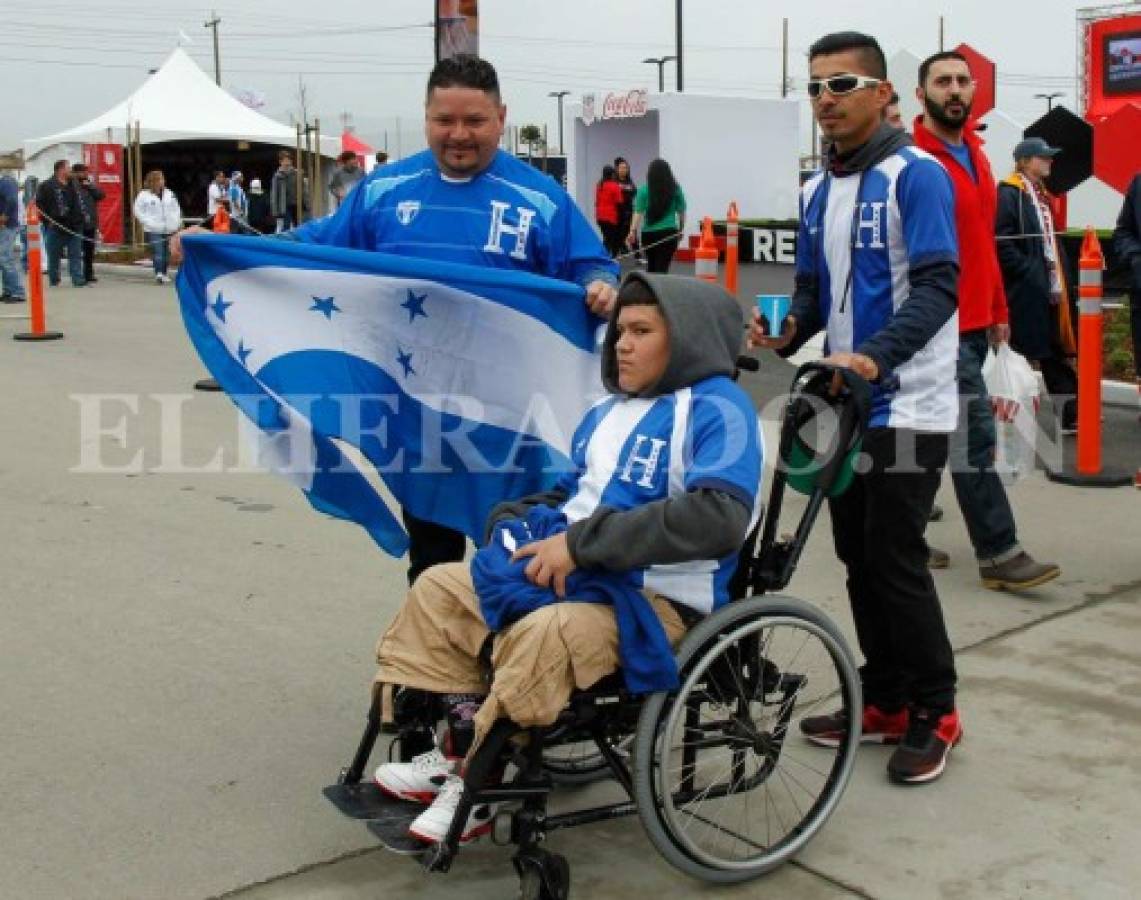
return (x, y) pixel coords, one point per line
(945, 130)
(877, 269)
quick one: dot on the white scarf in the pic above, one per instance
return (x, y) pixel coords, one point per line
(1049, 236)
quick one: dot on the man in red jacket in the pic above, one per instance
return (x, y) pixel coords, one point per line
(946, 90)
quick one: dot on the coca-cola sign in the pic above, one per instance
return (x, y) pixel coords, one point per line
(630, 105)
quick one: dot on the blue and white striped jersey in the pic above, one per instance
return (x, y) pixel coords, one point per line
(628, 452)
(509, 216)
(861, 235)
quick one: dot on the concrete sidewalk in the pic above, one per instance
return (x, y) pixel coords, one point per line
(185, 657)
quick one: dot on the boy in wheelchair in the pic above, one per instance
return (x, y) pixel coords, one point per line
(665, 486)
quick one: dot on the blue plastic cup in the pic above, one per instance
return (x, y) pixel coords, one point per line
(774, 307)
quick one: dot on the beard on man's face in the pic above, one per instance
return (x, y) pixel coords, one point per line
(941, 114)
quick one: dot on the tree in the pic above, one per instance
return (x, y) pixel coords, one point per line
(532, 136)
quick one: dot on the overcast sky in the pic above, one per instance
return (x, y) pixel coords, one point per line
(65, 61)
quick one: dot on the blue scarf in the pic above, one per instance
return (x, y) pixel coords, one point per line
(506, 596)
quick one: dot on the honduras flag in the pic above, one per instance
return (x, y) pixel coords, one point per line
(462, 386)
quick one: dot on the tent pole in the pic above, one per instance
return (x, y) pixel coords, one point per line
(297, 175)
(129, 176)
(138, 159)
(317, 204)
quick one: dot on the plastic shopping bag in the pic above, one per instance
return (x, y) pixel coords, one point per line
(1013, 389)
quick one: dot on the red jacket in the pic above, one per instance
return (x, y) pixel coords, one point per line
(982, 300)
(607, 199)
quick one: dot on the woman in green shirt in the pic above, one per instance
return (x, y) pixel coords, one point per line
(659, 209)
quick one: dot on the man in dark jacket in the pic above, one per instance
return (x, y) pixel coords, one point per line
(882, 216)
(1127, 242)
(946, 90)
(11, 277)
(59, 206)
(89, 197)
(1034, 276)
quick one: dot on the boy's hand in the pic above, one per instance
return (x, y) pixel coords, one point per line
(176, 241)
(551, 563)
(600, 297)
(759, 334)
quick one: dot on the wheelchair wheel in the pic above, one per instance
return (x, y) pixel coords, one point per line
(573, 762)
(725, 786)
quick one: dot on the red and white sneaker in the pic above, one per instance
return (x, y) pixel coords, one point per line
(922, 754)
(878, 727)
(432, 825)
(419, 780)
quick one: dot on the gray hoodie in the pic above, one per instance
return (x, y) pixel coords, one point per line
(706, 328)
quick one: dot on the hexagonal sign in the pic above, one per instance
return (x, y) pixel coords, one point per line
(1116, 149)
(1073, 135)
(985, 73)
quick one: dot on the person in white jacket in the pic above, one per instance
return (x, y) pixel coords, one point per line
(158, 212)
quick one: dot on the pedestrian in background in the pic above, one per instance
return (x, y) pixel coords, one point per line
(11, 278)
(158, 212)
(1034, 277)
(659, 211)
(344, 178)
(58, 202)
(626, 207)
(259, 217)
(89, 197)
(945, 130)
(236, 194)
(607, 199)
(1127, 242)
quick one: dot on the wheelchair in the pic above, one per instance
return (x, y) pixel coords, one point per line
(724, 790)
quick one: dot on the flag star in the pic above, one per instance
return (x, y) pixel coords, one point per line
(325, 305)
(415, 305)
(220, 306)
(243, 352)
(405, 360)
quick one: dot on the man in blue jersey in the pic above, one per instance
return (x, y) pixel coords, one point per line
(877, 269)
(464, 200)
(665, 486)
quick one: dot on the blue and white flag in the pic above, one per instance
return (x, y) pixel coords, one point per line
(462, 386)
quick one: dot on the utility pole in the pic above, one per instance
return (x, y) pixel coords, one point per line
(941, 41)
(213, 24)
(660, 62)
(678, 52)
(1049, 98)
(784, 59)
(558, 95)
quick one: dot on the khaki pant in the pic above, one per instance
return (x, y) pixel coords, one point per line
(434, 643)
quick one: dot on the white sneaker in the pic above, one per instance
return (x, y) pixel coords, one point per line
(432, 825)
(419, 780)
(162, 279)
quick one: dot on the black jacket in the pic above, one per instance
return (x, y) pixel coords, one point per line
(59, 204)
(1127, 234)
(89, 197)
(1025, 272)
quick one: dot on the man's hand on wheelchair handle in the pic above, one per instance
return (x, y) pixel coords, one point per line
(550, 564)
(864, 366)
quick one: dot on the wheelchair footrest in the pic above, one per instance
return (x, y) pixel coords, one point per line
(367, 801)
(393, 831)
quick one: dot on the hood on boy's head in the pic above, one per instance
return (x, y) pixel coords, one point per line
(706, 328)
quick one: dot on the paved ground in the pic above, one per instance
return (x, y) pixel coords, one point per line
(184, 657)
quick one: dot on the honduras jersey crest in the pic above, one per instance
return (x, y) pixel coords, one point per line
(462, 386)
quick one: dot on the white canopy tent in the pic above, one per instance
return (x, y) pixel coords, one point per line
(179, 102)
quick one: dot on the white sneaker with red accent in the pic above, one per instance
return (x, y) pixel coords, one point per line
(432, 825)
(419, 780)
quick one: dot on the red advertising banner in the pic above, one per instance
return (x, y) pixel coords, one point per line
(457, 28)
(1113, 70)
(105, 163)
